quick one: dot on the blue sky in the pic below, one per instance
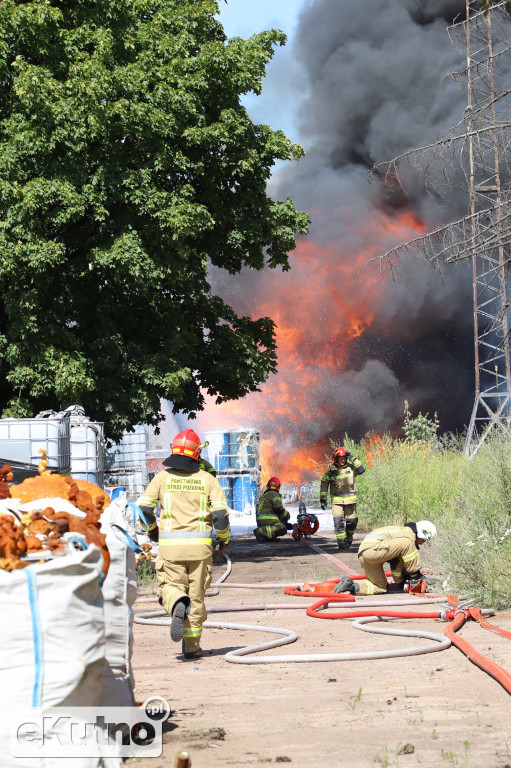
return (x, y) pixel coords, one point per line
(242, 18)
(278, 102)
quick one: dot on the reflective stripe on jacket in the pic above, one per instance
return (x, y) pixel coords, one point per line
(341, 482)
(270, 510)
(191, 503)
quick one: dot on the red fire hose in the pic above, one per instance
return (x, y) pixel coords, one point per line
(499, 674)
(456, 616)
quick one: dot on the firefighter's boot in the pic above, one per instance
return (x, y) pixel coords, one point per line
(340, 532)
(346, 585)
(192, 654)
(180, 611)
(351, 527)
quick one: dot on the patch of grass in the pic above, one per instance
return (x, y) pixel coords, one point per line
(382, 756)
(146, 575)
(474, 544)
(354, 700)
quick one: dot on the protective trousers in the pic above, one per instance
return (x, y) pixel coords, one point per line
(176, 579)
(272, 531)
(345, 522)
(372, 561)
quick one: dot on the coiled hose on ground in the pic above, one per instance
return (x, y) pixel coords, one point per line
(371, 613)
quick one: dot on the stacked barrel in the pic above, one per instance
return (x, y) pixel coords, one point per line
(235, 455)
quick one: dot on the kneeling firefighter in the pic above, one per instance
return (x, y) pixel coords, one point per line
(271, 516)
(397, 545)
(339, 478)
(191, 503)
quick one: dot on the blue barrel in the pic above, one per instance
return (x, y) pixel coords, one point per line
(245, 493)
(244, 448)
(218, 448)
(226, 483)
(115, 492)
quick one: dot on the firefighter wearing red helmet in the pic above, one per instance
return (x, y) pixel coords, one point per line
(191, 503)
(272, 518)
(339, 478)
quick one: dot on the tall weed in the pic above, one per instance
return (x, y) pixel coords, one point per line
(474, 545)
(407, 481)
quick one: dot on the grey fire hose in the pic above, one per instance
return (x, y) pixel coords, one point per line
(289, 636)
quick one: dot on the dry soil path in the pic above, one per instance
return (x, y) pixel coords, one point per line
(431, 710)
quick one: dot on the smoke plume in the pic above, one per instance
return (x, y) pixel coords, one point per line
(354, 345)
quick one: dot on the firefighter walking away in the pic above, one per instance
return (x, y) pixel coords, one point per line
(339, 479)
(191, 503)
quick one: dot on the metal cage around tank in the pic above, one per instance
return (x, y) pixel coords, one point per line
(126, 462)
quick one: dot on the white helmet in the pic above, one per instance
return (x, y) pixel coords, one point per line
(426, 529)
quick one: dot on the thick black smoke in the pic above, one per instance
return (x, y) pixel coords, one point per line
(372, 88)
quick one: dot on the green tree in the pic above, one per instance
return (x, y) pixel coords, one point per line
(127, 165)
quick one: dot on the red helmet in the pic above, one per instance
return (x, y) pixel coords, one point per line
(187, 443)
(339, 452)
(274, 484)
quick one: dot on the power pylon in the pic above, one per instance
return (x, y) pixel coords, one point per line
(489, 212)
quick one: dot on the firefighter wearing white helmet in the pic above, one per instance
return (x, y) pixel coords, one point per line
(394, 544)
(191, 503)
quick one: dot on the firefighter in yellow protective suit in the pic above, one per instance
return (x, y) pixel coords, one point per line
(394, 544)
(339, 478)
(271, 516)
(191, 503)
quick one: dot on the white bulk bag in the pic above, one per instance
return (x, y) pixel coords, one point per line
(52, 643)
(119, 593)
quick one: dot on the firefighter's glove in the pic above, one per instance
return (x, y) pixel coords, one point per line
(221, 546)
(323, 503)
(153, 535)
(289, 526)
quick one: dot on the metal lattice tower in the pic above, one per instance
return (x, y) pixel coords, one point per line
(488, 137)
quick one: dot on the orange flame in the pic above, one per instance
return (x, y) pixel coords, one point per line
(372, 446)
(320, 308)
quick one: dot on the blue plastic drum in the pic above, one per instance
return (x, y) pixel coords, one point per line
(218, 449)
(245, 494)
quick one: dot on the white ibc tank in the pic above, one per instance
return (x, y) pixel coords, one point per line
(131, 451)
(22, 439)
(86, 447)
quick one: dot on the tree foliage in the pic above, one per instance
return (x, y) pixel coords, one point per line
(128, 164)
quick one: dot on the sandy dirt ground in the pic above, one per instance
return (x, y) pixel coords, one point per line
(428, 710)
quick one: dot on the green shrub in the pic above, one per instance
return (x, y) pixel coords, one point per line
(407, 481)
(474, 543)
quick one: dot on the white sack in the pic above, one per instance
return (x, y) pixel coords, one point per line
(52, 644)
(119, 592)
